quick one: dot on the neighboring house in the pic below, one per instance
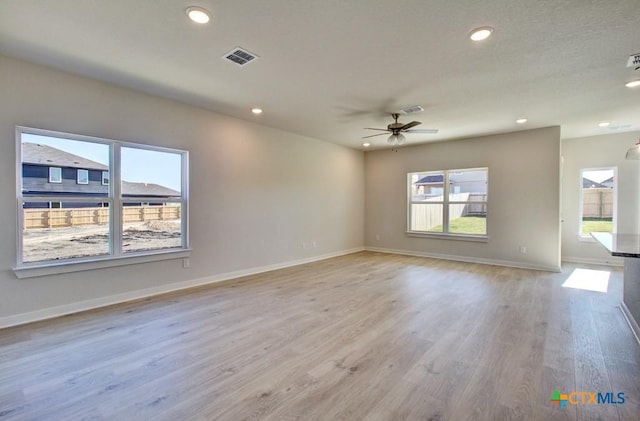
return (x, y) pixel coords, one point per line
(153, 191)
(608, 183)
(590, 184)
(52, 172)
(464, 182)
(47, 171)
(430, 185)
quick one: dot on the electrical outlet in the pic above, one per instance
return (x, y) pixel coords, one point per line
(314, 244)
(523, 249)
(185, 263)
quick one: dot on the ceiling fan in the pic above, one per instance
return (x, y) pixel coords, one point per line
(396, 129)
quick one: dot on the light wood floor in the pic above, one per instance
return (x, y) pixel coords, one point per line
(365, 336)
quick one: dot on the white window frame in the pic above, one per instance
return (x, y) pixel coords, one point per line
(445, 234)
(53, 179)
(83, 180)
(114, 200)
(105, 178)
(588, 237)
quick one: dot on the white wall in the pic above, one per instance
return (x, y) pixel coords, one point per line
(593, 152)
(523, 207)
(256, 193)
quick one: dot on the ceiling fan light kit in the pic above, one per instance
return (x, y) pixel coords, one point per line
(634, 62)
(634, 152)
(396, 129)
(396, 139)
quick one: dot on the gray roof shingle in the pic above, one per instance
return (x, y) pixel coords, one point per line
(147, 189)
(590, 184)
(431, 179)
(35, 153)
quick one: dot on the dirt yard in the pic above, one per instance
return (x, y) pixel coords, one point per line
(93, 240)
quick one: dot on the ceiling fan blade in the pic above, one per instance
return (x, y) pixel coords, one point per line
(373, 135)
(371, 128)
(427, 131)
(410, 125)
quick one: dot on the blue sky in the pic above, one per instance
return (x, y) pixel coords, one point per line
(598, 175)
(138, 165)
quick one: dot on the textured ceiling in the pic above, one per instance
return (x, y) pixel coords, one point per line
(327, 69)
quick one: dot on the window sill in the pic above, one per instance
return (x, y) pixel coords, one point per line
(56, 268)
(443, 236)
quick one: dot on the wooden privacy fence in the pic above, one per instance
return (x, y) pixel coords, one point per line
(427, 214)
(597, 203)
(71, 217)
(150, 213)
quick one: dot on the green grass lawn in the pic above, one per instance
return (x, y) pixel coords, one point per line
(478, 225)
(465, 225)
(593, 226)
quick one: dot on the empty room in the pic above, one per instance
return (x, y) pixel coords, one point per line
(319, 210)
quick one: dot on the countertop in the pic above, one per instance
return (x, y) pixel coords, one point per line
(623, 245)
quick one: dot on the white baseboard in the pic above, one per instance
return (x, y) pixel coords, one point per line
(51, 312)
(613, 261)
(631, 321)
(468, 259)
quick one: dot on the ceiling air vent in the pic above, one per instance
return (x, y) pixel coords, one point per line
(240, 56)
(411, 110)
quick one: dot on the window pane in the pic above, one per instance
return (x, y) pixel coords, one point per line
(597, 201)
(427, 186)
(426, 217)
(463, 221)
(75, 230)
(152, 174)
(53, 165)
(66, 197)
(152, 226)
(55, 175)
(83, 176)
(468, 185)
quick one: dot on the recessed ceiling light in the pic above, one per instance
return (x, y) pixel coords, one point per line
(198, 14)
(480, 34)
(366, 145)
(521, 120)
(256, 110)
(633, 84)
(604, 124)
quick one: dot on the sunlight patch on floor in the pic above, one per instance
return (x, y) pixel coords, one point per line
(588, 280)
